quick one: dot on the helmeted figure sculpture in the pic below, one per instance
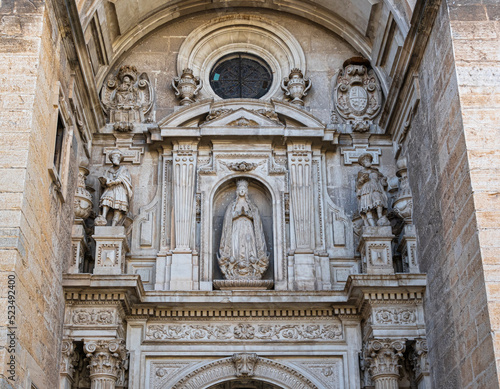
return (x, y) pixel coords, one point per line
(118, 192)
(370, 190)
(242, 253)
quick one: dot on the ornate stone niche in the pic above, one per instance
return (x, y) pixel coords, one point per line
(259, 197)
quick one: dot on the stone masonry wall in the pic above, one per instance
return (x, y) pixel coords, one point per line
(35, 224)
(443, 166)
(475, 27)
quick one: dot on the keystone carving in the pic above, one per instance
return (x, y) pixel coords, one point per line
(244, 364)
(357, 95)
(296, 86)
(186, 86)
(127, 98)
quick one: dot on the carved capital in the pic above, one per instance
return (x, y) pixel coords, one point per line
(69, 359)
(107, 359)
(382, 357)
(418, 358)
(244, 364)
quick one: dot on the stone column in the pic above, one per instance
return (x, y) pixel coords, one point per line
(69, 360)
(184, 174)
(107, 359)
(301, 204)
(420, 364)
(382, 357)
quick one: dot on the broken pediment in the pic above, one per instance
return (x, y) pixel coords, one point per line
(240, 117)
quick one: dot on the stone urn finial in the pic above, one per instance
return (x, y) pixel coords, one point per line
(187, 86)
(296, 86)
(403, 201)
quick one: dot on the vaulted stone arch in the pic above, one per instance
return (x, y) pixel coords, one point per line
(226, 369)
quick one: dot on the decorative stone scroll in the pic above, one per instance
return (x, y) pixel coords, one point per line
(419, 359)
(127, 98)
(357, 97)
(69, 360)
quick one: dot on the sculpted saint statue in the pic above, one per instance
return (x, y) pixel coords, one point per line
(118, 192)
(370, 190)
(242, 253)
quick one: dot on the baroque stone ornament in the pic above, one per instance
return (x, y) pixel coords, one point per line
(107, 360)
(244, 331)
(357, 95)
(296, 86)
(370, 190)
(243, 252)
(127, 98)
(186, 86)
(118, 191)
(83, 199)
(382, 357)
(244, 364)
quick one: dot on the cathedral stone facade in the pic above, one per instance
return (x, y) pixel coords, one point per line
(270, 194)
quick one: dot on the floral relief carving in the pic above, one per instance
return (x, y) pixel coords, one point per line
(242, 166)
(396, 316)
(93, 316)
(244, 331)
(382, 357)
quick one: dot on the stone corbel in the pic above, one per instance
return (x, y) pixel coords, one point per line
(382, 357)
(107, 358)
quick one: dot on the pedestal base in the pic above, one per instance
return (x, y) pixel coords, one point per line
(375, 248)
(111, 247)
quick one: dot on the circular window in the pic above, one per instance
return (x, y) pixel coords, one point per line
(241, 75)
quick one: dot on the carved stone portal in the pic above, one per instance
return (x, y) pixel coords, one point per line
(243, 255)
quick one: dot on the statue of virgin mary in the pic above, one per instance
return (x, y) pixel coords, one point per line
(242, 252)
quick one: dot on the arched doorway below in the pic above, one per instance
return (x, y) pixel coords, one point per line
(244, 384)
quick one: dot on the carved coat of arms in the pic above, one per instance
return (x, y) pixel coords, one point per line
(357, 97)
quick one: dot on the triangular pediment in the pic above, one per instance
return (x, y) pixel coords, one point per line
(242, 117)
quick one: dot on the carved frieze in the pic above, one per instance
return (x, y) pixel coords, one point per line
(357, 97)
(242, 166)
(127, 98)
(395, 316)
(85, 316)
(244, 332)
